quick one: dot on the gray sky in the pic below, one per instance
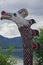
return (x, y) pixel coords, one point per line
(34, 7)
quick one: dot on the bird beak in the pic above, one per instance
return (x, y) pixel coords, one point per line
(5, 15)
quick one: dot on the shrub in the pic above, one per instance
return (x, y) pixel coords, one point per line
(7, 59)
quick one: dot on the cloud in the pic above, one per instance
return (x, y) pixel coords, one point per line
(34, 6)
(9, 30)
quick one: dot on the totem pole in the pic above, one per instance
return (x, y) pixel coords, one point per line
(26, 32)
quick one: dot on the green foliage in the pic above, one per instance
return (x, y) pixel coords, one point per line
(41, 37)
(10, 49)
(7, 59)
(39, 52)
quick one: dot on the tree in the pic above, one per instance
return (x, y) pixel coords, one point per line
(39, 52)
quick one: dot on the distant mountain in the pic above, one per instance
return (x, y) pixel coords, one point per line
(6, 42)
(16, 42)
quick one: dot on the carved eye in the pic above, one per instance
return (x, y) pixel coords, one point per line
(15, 14)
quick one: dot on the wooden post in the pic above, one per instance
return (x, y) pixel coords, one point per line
(27, 45)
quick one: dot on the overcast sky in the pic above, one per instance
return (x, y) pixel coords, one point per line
(34, 7)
